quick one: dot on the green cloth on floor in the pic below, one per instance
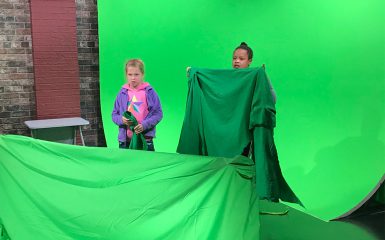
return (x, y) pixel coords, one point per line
(58, 191)
(225, 111)
(137, 141)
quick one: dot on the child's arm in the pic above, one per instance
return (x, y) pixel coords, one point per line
(117, 114)
(155, 113)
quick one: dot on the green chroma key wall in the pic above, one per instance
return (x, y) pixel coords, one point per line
(325, 59)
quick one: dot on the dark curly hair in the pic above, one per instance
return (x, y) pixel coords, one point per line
(244, 46)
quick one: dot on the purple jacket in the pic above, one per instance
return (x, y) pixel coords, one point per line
(153, 117)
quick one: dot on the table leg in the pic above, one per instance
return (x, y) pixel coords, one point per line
(81, 135)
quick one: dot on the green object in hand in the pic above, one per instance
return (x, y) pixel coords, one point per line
(137, 141)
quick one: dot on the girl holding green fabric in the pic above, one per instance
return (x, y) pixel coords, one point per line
(136, 100)
(241, 101)
(242, 58)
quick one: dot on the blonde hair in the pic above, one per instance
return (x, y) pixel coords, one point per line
(135, 63)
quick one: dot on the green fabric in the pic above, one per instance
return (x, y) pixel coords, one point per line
(137, 141)
(225, 111)
(58, 191)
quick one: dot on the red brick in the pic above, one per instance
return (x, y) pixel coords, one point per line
(55, 58)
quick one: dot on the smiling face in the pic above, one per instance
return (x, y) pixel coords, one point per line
(134, 76)
(241, 59)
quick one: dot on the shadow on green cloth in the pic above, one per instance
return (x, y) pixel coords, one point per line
(3, 233)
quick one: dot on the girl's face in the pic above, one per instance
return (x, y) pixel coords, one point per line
(134, 76)
(240, 59)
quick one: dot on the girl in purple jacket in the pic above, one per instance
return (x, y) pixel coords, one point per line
(141, 100)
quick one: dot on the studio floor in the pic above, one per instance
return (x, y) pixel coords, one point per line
(365, 224)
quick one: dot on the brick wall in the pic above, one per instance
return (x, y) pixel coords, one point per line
(88, 55)
(17, 96)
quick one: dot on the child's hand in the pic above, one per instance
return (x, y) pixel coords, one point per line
(126, 121)
(138, 129)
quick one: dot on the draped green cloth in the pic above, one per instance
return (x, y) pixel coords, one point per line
(137, 141)
(225, 111)
(57, 191)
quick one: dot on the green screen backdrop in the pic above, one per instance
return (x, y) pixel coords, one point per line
(325, 60)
